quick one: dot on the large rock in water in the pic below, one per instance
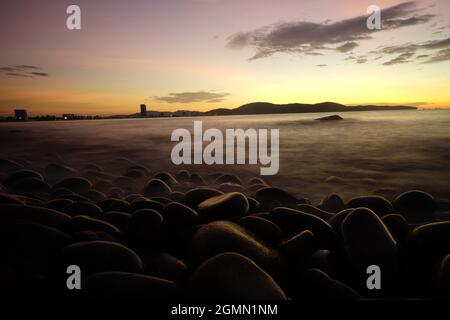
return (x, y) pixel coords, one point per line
(416, 206)
(330, 118)
(124, 285)
(228, 206)
(101, 256)
(223, 236)
(231, 276)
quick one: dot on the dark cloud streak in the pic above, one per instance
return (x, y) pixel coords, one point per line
(191, 97)
(304, 38)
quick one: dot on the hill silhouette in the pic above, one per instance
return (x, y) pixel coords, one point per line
(271, 108)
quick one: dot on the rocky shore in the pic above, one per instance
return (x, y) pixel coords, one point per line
(184, 235)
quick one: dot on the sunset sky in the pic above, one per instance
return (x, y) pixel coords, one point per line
(205, 54)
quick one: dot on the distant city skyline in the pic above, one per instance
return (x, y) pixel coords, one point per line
(206, 54)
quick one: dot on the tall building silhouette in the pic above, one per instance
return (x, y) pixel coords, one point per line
(21, 114)
(143, 111)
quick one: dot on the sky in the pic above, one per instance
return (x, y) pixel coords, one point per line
(205, 54)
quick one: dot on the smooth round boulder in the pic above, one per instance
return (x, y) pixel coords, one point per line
(157, 188)
(183, 176)
(254, 205)
(431, 241)
(314, 211)
(197, 180)
(167, 178)
(377, 204)
(230, 178)
(264, 229)
(54, 170)
(300, 246)
(117, 218)
(114, 204)
(58, 204)
(95, 195)
(101, 256)
(223, 236)
(77, 185)
(30, 186)
(83, 209)
(416, 206)
(316, 284)
(45, 216)
(397, 226)
(336, 220)
(333, 203)
(144, 228)
(369, 242)
(146, 204)
(256, 180)
(442, 283)
(216, 279)
(129, 286)
(30, 248)
(7, 165)
(135, 174)
(6, 198)
(178, 216)
(19, 175)
(163, 265)
(228, 206)
(195, 196)
(231, 187)
(268, 195)
(293, 222)
(85, 223)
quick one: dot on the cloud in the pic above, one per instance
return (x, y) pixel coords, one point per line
(24, 71)
(40, 74)
(302, 37)
(24, 67)
(14, 74)
(322, 65)
(442, 55)
(403, 58)
(190, 97)
(435, 50)
(8, 69)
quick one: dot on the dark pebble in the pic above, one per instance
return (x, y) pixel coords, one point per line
(216, 279)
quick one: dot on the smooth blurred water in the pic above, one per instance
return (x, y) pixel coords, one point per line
(397, 150)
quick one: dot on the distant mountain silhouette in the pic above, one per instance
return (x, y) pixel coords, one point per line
(270, 108)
